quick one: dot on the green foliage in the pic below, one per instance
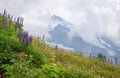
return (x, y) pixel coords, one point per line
(38, 57)
(10, 42)
(20, 69)
(8, 57)
(49, 71)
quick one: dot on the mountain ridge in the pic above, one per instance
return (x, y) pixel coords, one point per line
(59, 31)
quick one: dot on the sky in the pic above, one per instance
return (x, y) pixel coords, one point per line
(90, 17)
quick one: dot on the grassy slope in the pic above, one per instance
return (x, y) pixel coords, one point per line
(78, 64)
(34, 61)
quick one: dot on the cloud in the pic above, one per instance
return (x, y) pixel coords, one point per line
(91, 17)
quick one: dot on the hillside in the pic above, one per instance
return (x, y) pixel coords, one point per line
(23, 56)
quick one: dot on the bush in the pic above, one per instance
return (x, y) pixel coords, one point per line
(10, 43)
(8, 57)
(20, 69)
(38, 57)
(50, 71)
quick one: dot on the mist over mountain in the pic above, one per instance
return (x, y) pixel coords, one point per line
(59, 33)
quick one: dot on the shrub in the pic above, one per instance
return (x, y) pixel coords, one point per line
(10, 43)
(20, 69)
(8, 57)
(38, 57)
(50, 71)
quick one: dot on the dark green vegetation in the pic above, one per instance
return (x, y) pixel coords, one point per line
(37, 60)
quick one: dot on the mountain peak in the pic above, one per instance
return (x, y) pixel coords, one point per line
(56, 18)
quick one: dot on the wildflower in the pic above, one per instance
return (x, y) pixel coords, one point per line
(8, 16)
(15, 26)
(30, 39)
(11, 17)
(20, 34)
(21, 20)
(5, 13)
(24, 37)
(4, 19)
(18, 20)
(3, 23)
(100, 55)
(14, 19)
(26, 34)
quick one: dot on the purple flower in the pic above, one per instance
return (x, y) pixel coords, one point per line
(24, 37)
(20, 34)
(21, 20)
(100, 55)
(3, 23)
(26, 34)
(14, 19)
(18, 20)
(8, 16)
(11, 17)
(30, 39)
(5, 13)
(15, 26)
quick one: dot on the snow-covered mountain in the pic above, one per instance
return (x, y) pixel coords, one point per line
(59, 30)
(109, 45)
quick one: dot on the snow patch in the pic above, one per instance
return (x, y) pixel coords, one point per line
(103, 42)
(60, 46)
